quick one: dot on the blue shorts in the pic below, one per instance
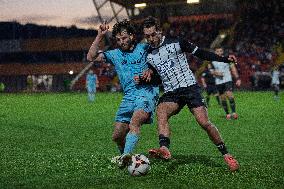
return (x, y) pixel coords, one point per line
(129, 106)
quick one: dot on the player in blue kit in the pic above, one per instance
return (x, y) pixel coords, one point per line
(138, 103)
(91, 85)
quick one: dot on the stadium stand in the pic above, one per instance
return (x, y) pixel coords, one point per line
(31, 50)
(254, 32)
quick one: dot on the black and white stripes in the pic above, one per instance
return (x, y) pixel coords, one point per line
(171, 64)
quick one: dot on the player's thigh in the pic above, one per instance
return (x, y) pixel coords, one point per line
(221, 91)
(228, 89)
(144, 108)
(167, 109)
(139, 117)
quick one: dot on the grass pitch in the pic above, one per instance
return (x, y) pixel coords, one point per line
(62, 141)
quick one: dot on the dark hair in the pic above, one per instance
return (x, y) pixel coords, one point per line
(121, 26)
(150, 22)
(218, 47)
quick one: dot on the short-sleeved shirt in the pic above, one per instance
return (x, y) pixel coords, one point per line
(223, 68)
(275, 77)
(128, 65)
(136, 97)
(169, 59)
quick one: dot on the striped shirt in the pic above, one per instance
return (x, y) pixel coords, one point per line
(170, 61)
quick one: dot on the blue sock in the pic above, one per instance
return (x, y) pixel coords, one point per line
(130, 143)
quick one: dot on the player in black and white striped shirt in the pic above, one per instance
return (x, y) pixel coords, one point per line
(223, 73)
(167, 56)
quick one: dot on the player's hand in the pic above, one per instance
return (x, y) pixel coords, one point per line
(218, 74)
(232, 58)
(147, 75)
(238, 83)
(103, 29)
(137, 79)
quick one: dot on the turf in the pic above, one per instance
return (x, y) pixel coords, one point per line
(62, 141)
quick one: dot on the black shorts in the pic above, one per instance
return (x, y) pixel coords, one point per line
(190, 96)
(222, 88)
(211, 89)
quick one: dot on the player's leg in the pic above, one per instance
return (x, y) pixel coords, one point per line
(276, 90)
(139, 117)
(216, 94)
(164, 111)
(195, 103)
(119, 134)
(201, 116)
(231, 98)
(122, 121)
(223, 98)
(90, 94)
(144, 108)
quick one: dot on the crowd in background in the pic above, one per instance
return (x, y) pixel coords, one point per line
(255, 35)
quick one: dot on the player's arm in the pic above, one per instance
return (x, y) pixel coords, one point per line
(149, 76)
(93, 51)
(235, 74)
(216, 73)
(204, 54)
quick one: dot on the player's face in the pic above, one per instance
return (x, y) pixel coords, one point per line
(124, 40)
(219, 51)
(153, 36)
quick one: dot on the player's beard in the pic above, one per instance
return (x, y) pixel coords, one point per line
(126, 46)
(156, 44)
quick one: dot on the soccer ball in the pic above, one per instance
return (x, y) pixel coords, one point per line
(139, 166)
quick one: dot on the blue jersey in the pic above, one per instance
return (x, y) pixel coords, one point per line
(128, 65)
(91, 80)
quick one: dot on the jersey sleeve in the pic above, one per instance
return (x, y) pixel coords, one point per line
(108, 56)
(187, 46)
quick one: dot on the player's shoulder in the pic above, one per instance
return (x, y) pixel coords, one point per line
(111, 52)
(142, 45)
(168, 40)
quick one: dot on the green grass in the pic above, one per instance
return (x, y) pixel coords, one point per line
(62, 141)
